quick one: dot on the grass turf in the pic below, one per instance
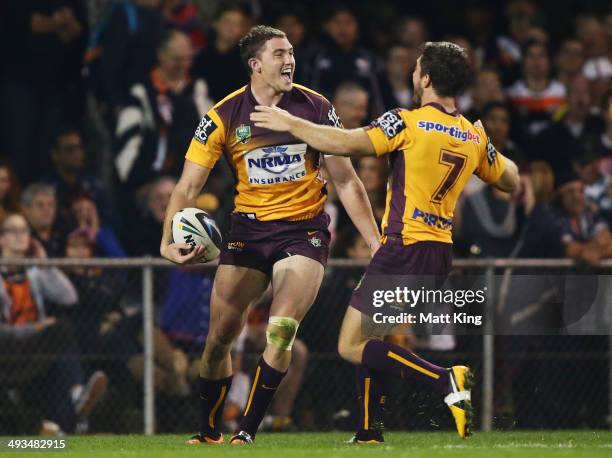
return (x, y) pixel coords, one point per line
(540, 444)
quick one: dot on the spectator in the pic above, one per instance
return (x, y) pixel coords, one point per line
(569, 60)
(506, 52)
(10, 190)
(291, 22)
(543, 182)
(69, 177)
(486, 89)
(99, 293)
(351, 103)
(153, 199)
(412, 32)
(496, 121)
(219, 63)
(106, 329)
(564, 141)
(603, 143)
(39, 205)
(492, 223)
(396, 84)
(85, 217)
(536, 96)
(371, 171)
(39, 35)
(597, 186)
(341, 59)
(489, 224)
(598, 67)
(183, 15)
(128, 43)
(156, 125)
(585, 234)
(26, 328)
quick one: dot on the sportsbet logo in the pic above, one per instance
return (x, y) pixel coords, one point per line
(463, 135)
(276, 164)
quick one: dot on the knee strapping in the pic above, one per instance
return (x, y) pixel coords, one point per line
(281, 332)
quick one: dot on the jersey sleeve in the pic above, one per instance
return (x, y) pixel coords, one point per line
(389, 132)
(207, 144)
(329, 117)
(491, 164)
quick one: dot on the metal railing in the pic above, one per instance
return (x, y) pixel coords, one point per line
(147, 264)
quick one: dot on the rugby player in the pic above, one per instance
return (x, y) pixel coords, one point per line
(278, 227)
(432, 152)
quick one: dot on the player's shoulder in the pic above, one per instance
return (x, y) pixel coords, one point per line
(300, 90)
(231, 98)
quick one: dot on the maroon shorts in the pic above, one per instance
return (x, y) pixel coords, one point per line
(260, 244)
(420, 262)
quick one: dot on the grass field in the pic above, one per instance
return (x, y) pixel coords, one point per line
(541, 444)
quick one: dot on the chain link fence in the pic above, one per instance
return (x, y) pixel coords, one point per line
(135, 335)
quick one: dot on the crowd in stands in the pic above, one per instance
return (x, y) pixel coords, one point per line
(100, 99)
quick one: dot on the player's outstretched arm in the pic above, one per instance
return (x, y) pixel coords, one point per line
(184, 195)
(353, 196)
(509, 180)
(330, 140)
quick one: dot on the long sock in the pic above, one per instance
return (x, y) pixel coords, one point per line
(265, 383)
(394, 360)
(371, 397)
(213, 394)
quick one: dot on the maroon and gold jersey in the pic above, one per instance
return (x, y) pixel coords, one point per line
(277, 175)
(432, 155)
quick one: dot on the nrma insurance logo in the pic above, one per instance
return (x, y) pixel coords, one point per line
(276, 164)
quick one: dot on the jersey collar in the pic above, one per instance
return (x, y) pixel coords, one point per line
(284, 101)
(439, 107)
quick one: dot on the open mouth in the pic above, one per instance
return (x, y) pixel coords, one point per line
(286, 75)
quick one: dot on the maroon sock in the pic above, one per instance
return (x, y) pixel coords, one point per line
(394, 360)
(213, 394)
(371, 397)
(265, 383)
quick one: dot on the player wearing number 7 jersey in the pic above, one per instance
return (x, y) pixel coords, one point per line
(432, 152)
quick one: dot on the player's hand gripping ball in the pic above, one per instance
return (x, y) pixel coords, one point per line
(196, 228)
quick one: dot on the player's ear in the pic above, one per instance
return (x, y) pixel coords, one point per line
(426, 81)
(254, 65)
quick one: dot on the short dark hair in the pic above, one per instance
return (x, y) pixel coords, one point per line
(167, 37)
(66, 129)
(447, 65)
(234, 6)
(531, 43)
(495, 105)
(253, 42)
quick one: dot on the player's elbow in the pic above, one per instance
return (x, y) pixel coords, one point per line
(509, 180)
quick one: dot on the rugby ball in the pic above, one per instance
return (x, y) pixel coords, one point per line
(195, 227)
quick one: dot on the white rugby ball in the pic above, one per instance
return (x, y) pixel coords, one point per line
(195, 227)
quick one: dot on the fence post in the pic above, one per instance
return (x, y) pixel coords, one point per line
(610, 381)
(488, 352)
(147, 330)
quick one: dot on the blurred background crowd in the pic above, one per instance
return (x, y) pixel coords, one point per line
(99, 100)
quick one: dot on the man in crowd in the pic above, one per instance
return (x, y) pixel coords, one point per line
(536, 96)
(219, 62)
(39, 204)
(70, 180)
(340, 58)
(153, 128)
(565, 140)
